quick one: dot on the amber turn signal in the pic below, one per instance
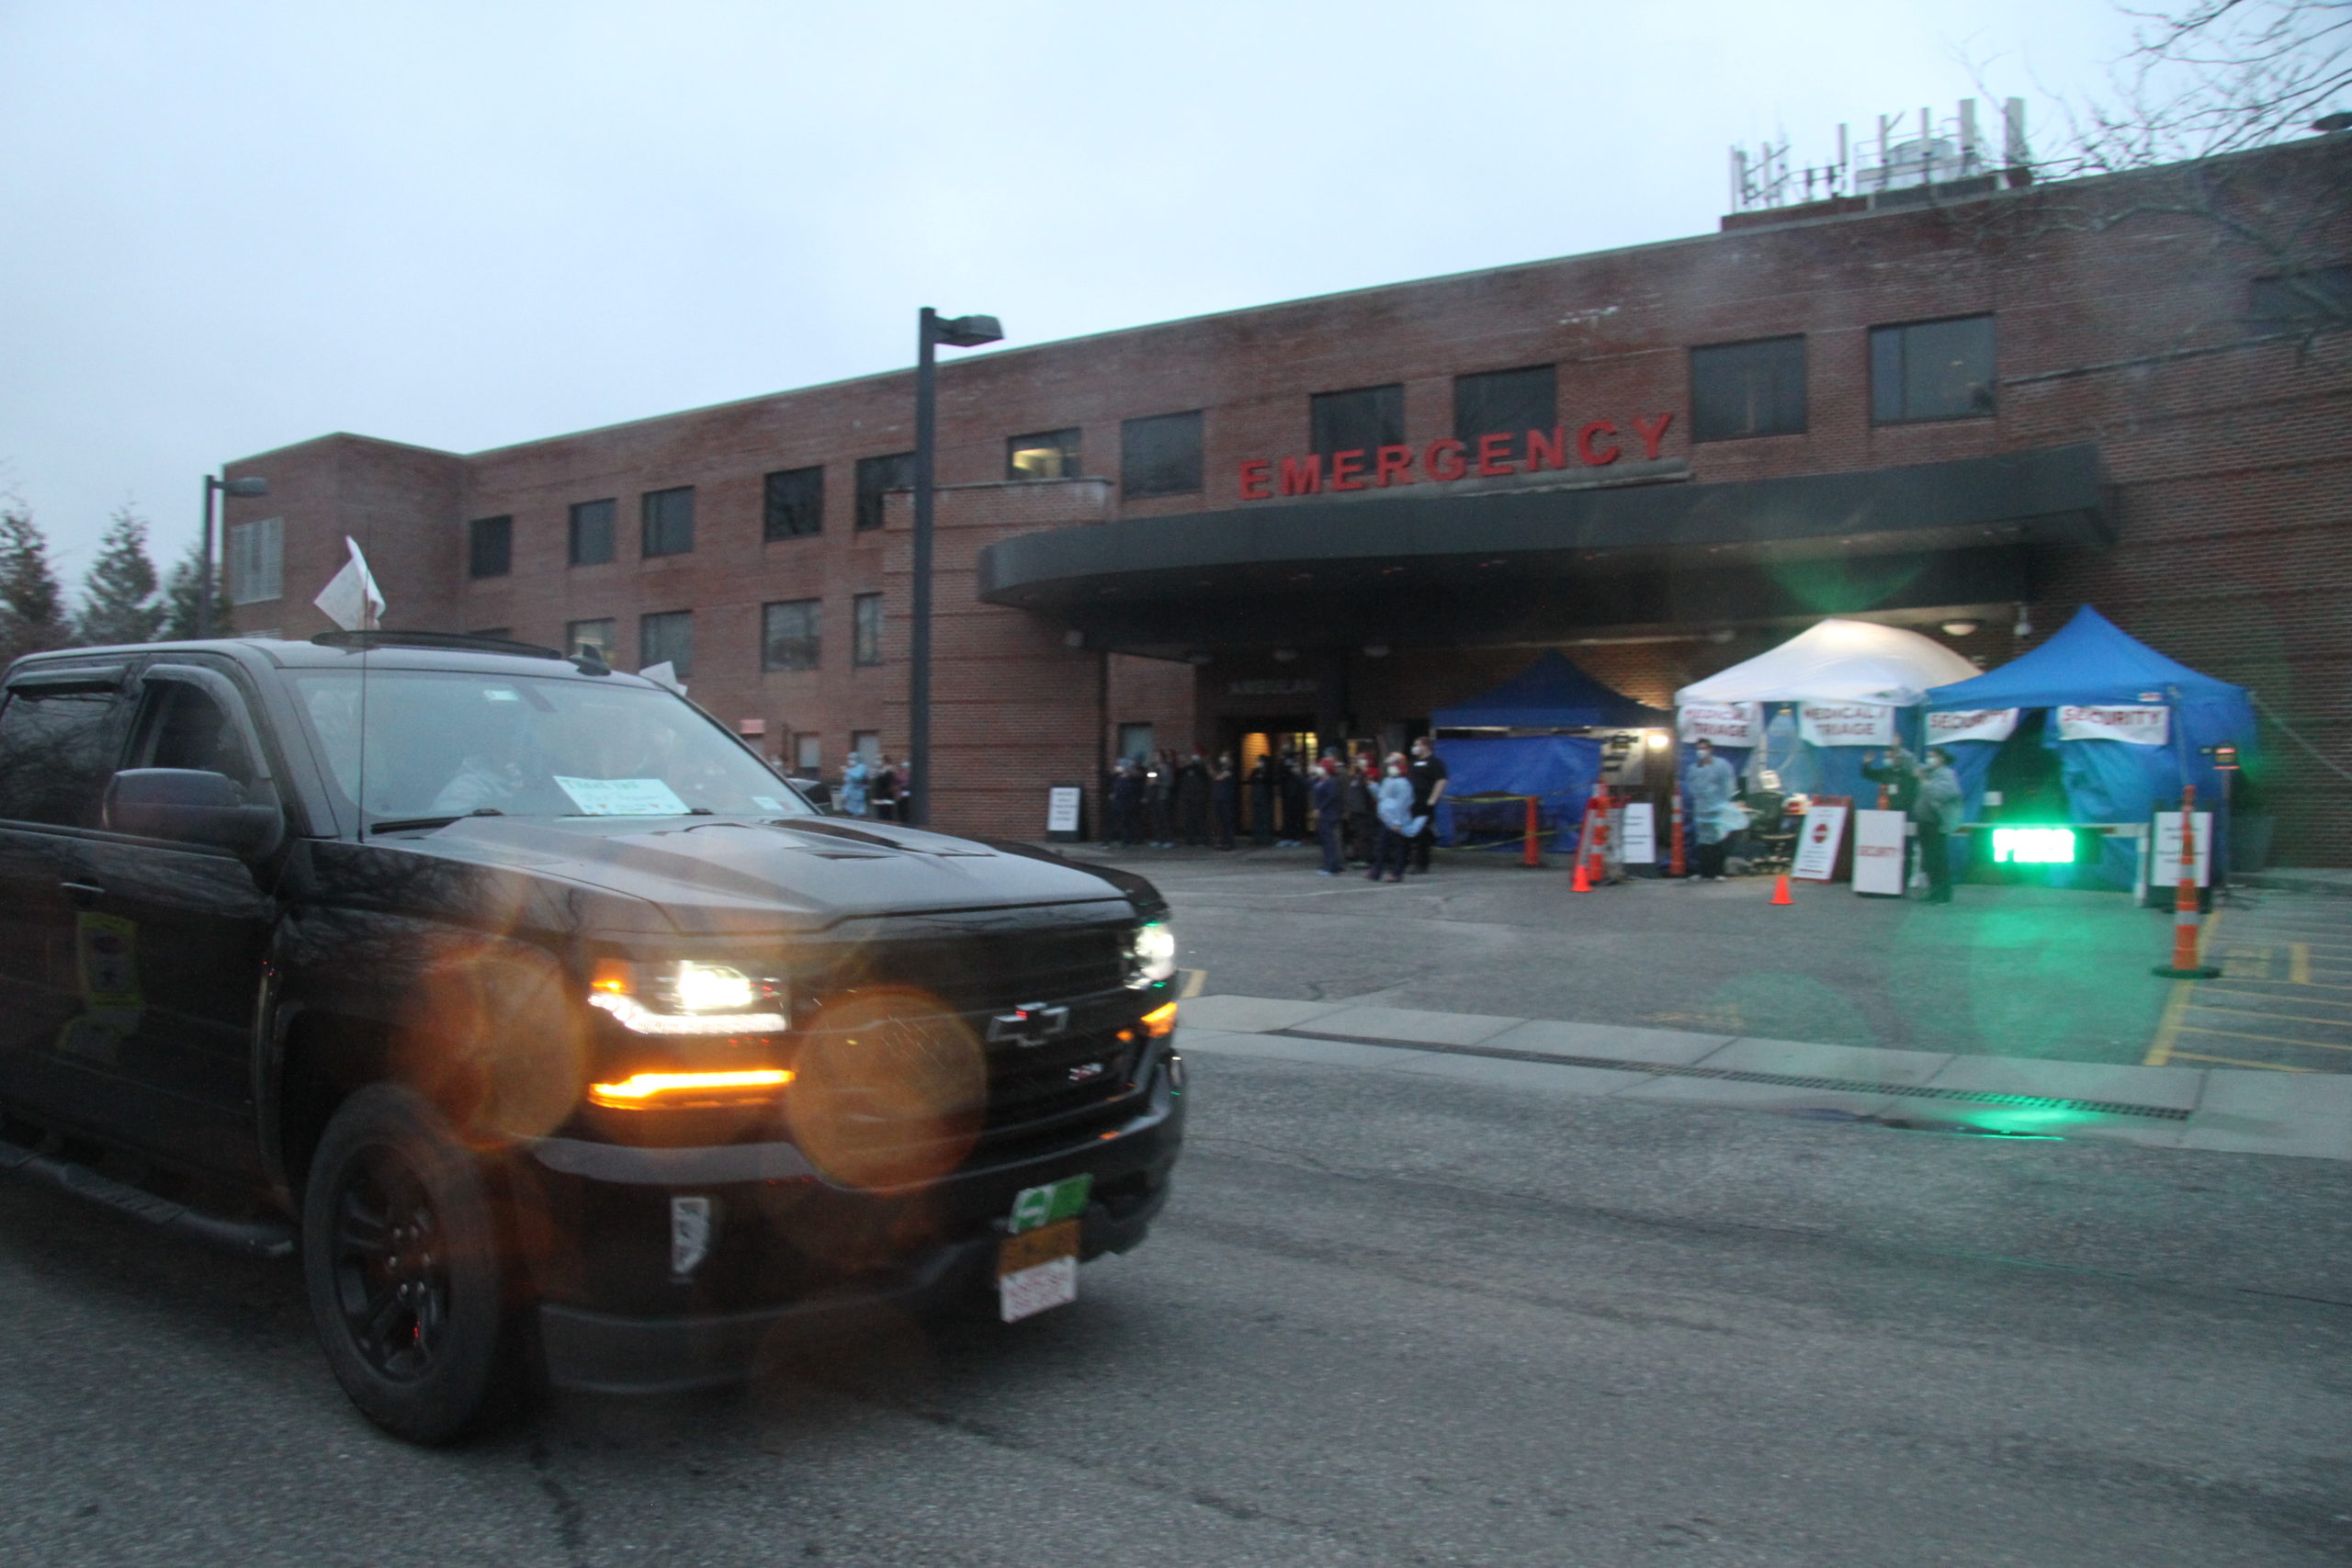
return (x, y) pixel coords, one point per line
(1161, 1021)
(642, 1090)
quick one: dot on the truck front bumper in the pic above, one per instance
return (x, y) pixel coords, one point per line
(794, 1258)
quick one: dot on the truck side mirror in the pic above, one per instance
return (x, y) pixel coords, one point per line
(191, 805)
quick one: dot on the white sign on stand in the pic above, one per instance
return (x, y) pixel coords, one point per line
(1817, 842)
(2165, 871)
(1879, 839)
(1638, 833)
(1062, 809)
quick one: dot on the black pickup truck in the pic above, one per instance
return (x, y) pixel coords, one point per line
(561, 1037)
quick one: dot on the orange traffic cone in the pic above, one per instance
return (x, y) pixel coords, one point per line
(1580, 884)
(1780, 889)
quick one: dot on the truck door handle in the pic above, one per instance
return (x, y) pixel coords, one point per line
(83, 894)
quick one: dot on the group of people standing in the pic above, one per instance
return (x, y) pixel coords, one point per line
(872, 789)
(1357, 811)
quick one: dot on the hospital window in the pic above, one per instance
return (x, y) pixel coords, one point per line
(257, 560)
(794, 503)
(1363, 420)
(667, 638)
(791, 634)
(1932, 370)
(490, 546)
(669, 520)
(1739, 390)
(877, 477)
(1161, 454)
(1506, 402)
(866, 628)
(2322, 294)
(590, 637)
(1047, 455)
(591, 532)
(1135, 742)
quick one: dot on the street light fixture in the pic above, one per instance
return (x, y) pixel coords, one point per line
(955, 331)
(244, 486)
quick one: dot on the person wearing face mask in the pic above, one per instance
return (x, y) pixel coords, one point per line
(1224, 791)
(1393, 800)
(1714, 813)
(1326, 801)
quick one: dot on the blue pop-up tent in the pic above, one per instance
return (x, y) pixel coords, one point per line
(2093, 662)
(1550, 695)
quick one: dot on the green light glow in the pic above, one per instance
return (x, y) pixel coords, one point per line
(2033, 846)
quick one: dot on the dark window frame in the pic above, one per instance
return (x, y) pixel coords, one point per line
(1706, 421)
(1327, 417)
(2275, 298)
(866, 630)
(810, 639)
(681, 669)
(73, 799)
(1468, 428)
(792, 504)
(582, 513)
(1169, 471)
(1064, 443)
(651, 504)
(1896, 334)
(877, 476)
(490, 546)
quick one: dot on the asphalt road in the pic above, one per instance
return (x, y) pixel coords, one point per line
(2015, 971)
(1384, 1321)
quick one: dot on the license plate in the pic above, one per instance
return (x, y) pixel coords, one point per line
(1037, 1269)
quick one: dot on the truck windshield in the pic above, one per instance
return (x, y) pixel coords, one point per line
(446, 744)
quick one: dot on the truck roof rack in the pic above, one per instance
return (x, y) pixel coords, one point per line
(460, 642)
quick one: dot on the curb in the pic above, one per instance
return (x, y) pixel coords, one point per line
(2214, 1109)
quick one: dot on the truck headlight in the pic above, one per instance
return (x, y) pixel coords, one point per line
(1151, 954)
(688, 997)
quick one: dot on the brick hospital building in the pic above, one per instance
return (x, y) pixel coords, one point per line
(1965, 408)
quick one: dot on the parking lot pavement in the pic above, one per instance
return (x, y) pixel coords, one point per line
(2283, 999)
(2016, 971)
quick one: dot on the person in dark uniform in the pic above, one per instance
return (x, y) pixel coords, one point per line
(1126, 801)
(1193, 800)
(1427, 772)
(1326, 799)
(1261, 802)
(1160, 800)
(1224, 795)
(1290, 780)
(1363, 811)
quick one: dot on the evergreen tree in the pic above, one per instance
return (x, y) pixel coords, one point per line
(32, 607)
(118, 602)
(180, 600)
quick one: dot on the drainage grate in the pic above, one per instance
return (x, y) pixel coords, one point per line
(1785, 1080)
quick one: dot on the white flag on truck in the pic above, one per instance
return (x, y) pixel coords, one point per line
(351, 598)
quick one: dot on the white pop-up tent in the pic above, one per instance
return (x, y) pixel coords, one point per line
(1847, 681)
(1837, 661)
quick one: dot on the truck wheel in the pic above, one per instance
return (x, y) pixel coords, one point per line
(400, 1260)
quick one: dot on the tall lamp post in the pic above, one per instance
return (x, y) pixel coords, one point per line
(246, 486)
(955, 331)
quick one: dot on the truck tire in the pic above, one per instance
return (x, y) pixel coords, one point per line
(401, 1263)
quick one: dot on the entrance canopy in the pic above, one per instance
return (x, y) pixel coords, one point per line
(1551, 694)
(1837, 661)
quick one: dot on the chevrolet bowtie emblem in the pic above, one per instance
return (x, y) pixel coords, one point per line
(1031, 1024)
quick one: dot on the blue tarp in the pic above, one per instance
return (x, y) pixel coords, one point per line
(1561, 769)
(1551, 694)
(2092, 661)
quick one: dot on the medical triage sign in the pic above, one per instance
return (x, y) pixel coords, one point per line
(1594, 445)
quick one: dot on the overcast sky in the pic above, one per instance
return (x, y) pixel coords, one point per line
(227, 227)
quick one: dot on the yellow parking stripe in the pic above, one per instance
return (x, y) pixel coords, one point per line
(2264, 1013)
(2299, 963)
(2168, 1027)
(2234, 1062)
(1194, 980)
(2279, 1039)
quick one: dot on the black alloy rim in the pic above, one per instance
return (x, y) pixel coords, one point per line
(391, 1268)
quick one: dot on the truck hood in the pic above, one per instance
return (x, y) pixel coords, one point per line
(743, 874)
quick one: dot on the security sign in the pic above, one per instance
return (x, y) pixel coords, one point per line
(1817, 842)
